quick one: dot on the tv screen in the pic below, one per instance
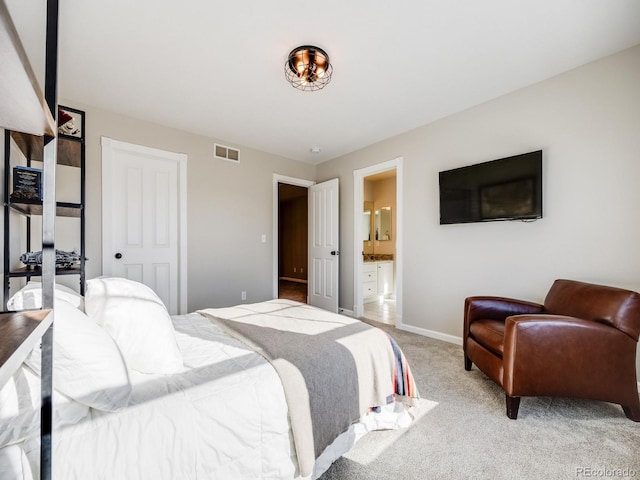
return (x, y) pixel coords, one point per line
(505, 189)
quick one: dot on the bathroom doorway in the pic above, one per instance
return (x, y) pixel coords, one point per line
(379, 246)
(378, 242)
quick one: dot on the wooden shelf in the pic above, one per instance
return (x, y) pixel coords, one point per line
(20, 333)
(63, 209)
(22, 104)
(69, 148)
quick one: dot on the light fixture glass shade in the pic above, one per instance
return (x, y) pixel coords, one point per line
(308, 68)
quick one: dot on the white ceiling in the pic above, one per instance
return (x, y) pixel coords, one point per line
(216, 68)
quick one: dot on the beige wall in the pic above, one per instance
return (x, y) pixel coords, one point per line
(587, 121)
(229, 206)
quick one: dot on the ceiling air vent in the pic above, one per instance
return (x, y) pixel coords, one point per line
(226, 153)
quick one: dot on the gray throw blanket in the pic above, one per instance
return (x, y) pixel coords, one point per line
(333, 368)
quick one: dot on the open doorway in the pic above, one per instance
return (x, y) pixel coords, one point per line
(378, 242)
(323, 233)
(292, 242)
(379, 246)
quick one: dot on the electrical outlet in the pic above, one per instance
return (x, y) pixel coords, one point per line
(243, 296)
(301, 270)
(294, 269)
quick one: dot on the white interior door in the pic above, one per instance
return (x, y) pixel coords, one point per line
(143, 218)
(324, 259)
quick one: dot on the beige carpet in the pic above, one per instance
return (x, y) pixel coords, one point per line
(467, 435)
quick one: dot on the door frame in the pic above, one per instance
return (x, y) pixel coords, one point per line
(300, 182)
(108, 146)
(358, 200)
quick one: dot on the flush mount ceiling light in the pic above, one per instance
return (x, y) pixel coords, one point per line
(308, 68)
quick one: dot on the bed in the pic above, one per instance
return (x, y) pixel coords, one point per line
(219, 393)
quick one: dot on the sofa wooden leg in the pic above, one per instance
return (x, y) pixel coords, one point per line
(632, 413)
(513, 403)
(467, 363)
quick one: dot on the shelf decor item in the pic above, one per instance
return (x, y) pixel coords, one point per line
(27, 184)
(70, 122)
(63, 259)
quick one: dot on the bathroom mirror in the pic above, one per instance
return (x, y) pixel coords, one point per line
(367, 224)
(383, 224)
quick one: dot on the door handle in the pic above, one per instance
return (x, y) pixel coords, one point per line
(118, 255)
(335, 252)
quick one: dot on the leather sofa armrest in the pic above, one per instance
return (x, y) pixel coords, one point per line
(496, 308)
(554, 354)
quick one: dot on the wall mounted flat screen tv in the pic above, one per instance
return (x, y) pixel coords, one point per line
(505, 189)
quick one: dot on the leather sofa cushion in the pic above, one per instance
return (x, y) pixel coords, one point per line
(610, 305)
(489, 334)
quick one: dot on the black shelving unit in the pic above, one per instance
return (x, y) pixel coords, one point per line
(70, 153)
(24, 107)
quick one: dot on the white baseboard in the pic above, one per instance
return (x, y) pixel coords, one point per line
(431, 334)
(344, 311)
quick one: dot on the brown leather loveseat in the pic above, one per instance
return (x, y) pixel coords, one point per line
(580, 343)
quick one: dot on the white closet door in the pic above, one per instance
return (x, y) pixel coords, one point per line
(141, 217)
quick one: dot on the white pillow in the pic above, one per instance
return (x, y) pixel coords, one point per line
(138, 321)
(14, 463)
(20, 401)
(19, 414)
(87, 365)
(30, 297)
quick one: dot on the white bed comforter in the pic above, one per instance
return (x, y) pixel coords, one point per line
(224, 418)
(187, 426)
